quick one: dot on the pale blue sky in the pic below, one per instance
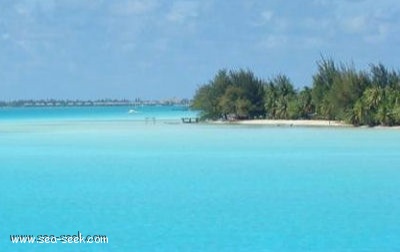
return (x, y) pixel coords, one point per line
(158, 49)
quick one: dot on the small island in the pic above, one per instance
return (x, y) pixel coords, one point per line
(339, 95)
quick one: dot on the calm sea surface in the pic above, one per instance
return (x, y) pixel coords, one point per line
(158, 185)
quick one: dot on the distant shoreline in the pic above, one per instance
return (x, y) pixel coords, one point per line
(92, 103)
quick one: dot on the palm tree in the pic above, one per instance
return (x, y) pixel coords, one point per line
(282, 107)
(270, 98)
(373, 97)
(323, 81)
(279, 93)
(357, 114)
(384, 116)
(305, 106)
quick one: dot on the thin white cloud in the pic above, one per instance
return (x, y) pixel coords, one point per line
(22, 9)
(276, 25)
(5, 36)
(267, 15)
(46, 5)
(380, 36)
(128, 46)
(183, 11)
(134, 7)
(33, 30)
(319, 2)
(359, 21)
(313, 42)
(281, 41)
(264, 18)
(316, 24)
(356, 24)
(33, 7)
(82, 5)
(125, 21)
(374, 21)
(273, 41)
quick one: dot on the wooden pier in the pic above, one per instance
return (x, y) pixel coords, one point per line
(190, 120)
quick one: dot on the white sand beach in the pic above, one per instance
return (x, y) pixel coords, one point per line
(303, 123)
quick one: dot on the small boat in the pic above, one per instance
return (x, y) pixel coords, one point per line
(132, 111)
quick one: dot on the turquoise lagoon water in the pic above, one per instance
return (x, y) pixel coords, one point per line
(179, 187)
(136, 113)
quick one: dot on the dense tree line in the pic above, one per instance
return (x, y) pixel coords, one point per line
(338, 92)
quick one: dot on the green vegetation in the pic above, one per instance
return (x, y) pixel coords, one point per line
(338, 92)
(239, 94)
